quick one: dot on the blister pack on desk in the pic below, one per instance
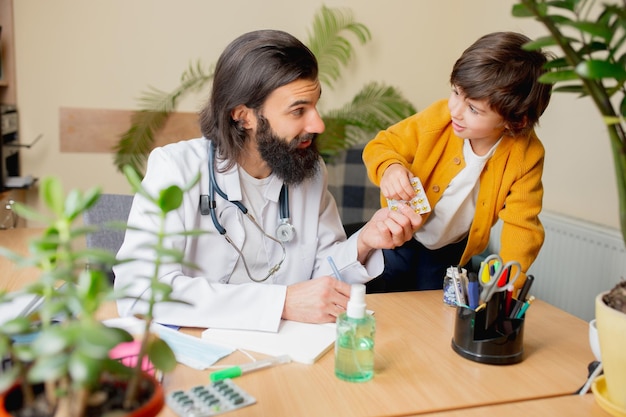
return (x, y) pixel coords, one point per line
(209, 400)
(419, 203)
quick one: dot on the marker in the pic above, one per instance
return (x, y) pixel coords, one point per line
(522, 311)
(235, 371)
(526, 288)
(473, 290)
(335, 270)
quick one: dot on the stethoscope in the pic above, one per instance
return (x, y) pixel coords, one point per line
(285, 231)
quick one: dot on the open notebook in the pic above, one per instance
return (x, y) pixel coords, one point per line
(303, 342)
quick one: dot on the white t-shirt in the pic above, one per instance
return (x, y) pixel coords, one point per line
(253, 190)
(452, 216)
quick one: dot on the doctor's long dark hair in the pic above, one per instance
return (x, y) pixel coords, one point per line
(248, 71)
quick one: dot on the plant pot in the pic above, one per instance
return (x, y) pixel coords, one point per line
(611, 326)
(10, 401)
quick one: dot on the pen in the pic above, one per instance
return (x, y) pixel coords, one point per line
(522, 311)
(526, 288)
(521, 298)
(238, 370)
(473, 290)
(334, 267)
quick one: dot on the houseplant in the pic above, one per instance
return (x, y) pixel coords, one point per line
(375, 107)
(71, 357)
(592, 63)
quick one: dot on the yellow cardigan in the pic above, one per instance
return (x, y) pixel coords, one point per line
(510, 184)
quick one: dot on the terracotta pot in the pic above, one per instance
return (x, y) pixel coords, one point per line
(150, 409)
(611, 326)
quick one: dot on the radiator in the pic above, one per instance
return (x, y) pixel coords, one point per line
(578, 260)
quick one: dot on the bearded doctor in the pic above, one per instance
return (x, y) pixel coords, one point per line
(257, 154)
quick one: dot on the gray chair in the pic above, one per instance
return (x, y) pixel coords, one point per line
(109, 208)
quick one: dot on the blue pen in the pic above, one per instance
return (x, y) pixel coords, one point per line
(334, 267)
(473, 290)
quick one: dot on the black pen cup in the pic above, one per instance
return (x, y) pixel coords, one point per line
(489, 335)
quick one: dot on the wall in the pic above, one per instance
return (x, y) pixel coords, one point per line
(104, 53)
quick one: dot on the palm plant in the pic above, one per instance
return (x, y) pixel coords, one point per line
(593, 64)
(374, 108)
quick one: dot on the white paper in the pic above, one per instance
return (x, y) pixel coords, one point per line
(303, 342)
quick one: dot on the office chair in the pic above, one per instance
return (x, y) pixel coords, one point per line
(108, 208)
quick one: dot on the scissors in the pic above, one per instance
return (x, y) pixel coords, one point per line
(491, 276)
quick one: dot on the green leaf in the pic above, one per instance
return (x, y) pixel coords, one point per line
(558, 76)
(593, 29)
(595, 69)
(569, 5)
(539, 43)
(557, 64)
(521, 10)
(170, 198)
(8, 378)
(161, 355)
(48, 368)
(84, 370)
(15, 326)
(52, 194)
(53, 340)
(572, 88)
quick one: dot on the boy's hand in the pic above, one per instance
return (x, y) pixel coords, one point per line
(395, 183)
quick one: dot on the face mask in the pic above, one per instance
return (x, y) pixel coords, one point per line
(189, 350)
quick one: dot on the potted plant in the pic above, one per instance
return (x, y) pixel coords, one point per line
(375, 107)
(67, 352)
(592, 64)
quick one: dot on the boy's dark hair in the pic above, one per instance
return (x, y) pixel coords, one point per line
(247, 72)
(497, 69)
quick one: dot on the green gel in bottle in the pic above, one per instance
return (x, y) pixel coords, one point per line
(354, 347)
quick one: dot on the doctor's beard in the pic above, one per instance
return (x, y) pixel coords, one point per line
(290, 163)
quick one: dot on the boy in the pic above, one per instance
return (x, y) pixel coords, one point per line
(478, 158)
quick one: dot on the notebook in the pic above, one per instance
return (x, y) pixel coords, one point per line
(303, 342)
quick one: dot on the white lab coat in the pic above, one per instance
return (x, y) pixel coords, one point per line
(213, 301)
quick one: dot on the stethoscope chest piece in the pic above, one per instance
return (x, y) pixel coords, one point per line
(285, 231)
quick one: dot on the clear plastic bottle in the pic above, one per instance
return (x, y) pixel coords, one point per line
(354, 347)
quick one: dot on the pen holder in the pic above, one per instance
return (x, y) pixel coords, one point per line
(487, 336)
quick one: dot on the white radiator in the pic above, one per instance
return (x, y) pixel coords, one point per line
(578, 260)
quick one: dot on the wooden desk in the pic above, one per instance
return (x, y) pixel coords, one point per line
(17, 239)
(417, 371)
(571, 406)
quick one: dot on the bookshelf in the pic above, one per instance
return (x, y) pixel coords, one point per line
(7, 82)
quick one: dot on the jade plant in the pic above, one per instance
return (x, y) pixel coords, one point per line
(375, 107)
(67, 347)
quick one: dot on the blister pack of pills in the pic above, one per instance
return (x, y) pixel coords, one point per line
(419, 203)
(209, 400)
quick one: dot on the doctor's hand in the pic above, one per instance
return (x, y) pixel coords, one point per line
(318, 300)
(387, 229)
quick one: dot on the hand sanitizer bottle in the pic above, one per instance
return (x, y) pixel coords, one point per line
(354, 347)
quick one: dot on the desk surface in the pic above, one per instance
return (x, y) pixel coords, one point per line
(571, 406)
(416, 369)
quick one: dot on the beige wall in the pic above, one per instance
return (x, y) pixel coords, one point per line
(104, 53)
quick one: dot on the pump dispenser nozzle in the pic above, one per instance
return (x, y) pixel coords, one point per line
(356, 304)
